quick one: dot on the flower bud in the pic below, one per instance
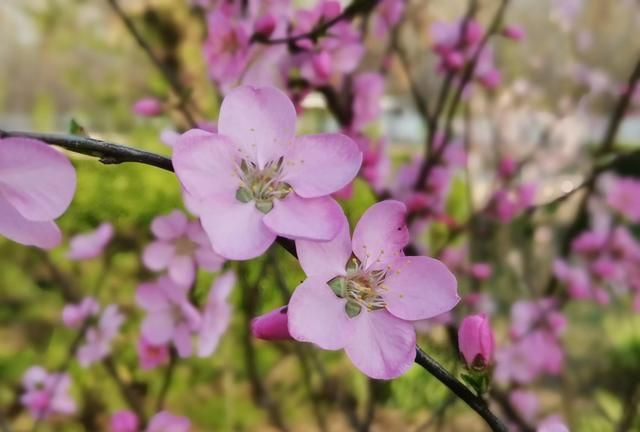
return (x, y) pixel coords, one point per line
(264, 26)
(148, 107)
(513, 32)
(475, 340)
(272, 326)
(124, 421)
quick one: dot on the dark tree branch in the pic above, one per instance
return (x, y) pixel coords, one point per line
(166, 72)
(476, 403)
(357, 7)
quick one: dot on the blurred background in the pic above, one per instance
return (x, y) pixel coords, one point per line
(74, 59)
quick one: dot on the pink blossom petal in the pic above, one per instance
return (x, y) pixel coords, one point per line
(182, 270)
(318, 316)
(182, 340)
(158, 254)
(382, 346)
(305, 218)
(318, 165)
(36, 179)
(169, 226)
(150, 298)
(157, 328)
(222, 287)
(381, 234)
(326, 259)
(205, 164)
(215, 322)
(14, 226)
(235, 229)
(261, 120)
(90, 245)
(419, 288)
(207, 259)
(273, 325)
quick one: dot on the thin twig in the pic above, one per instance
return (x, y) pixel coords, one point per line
(476, 403)
(167, 73)
(356, 8)
(166, 382)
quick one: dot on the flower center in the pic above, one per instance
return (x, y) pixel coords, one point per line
(185, 246)
(261, 186)
(360, 287)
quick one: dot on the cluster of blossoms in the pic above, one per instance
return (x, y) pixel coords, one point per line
(456, 43)
(100, 327)
(164, 421)
(605, 259)
(430, 199)
(536, 327)
(456, 259)
(46, 394)
(513, 197)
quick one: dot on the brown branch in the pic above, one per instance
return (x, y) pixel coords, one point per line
(166, 72)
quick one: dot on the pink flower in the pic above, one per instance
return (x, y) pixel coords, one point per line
(255, 180)
(623, 195)
(217, 314)
(99, 337)
(476, 342)
(90, 245)
(526, 404)
(387, 14)
(74, 315)
(272, 326)
(181, 247)
(264, 26)
(368, 88)
(150, 355)
(226, 49)
(124, 421)
(164, 421)
(481, 271)
(507, 167)
(148, 107)
(513, 32)
(46, 394)
(367, 304)
(170, 315)
(37, 186)
(552, 424)
(538, 353)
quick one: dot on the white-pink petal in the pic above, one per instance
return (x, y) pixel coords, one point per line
(169, 226)
(182, 270)
(318, 316)
(318, 165)
(419, 287)
(14, 226)
(383, 346)
(305, 218)
(381, 234)
(235, 229)
(261, 121)
(36, 179)
(327, 259)
(158, 254)
(206, 164)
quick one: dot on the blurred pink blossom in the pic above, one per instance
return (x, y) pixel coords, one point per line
(46, 394)
(148, 107)
(164, 421)
(151, 355)
(124, 421)
(90, 245)
(181, 247)
(272, 325)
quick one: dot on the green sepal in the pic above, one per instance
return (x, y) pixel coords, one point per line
(352, 309)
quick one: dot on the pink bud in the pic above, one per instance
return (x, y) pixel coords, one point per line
(148, 107)
(507, 167)
(272, 326)
(331, 9)
(124, 421)
(473, 32)
(265, 25)
(453, 60)
(513, 32)
(481, 271)
(322, 65)
(475, 340)
(491, 79)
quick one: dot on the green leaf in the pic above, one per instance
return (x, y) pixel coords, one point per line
(76, 128)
